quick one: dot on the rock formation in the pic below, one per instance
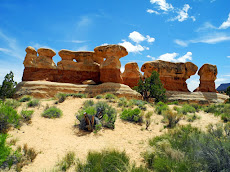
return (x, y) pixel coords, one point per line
(207, 75)
(131, 75)
(44, 60)
(110, 68)
(31, 56)
(172, 75)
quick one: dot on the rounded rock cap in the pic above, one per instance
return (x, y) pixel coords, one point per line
(113, 49)
(66, 54)
(46, 52)
(31, 50)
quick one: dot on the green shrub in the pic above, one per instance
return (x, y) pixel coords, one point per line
(52, 112)
(161, 107)
(33, 103)
(173, 103)
(27, 115)
(68, 160)
(186, 108)
(99, 97)
(225, 117)
(77, 95)
(122, 102)
(88, 103)
(61, 97)
(134, 115)
(193, 117)
(5, 150)
(197, 107)
(107, 160)
(110, 96)
(25, 98)
(7, 88)
(148, 119)
(12, 103)
(8, 118)
(171, 118)
(188, 149)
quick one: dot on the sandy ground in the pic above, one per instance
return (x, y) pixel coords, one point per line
(53, 138)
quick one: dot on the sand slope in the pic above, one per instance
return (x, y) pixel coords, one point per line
(54, 137)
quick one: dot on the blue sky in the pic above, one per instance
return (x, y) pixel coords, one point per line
(173, 30)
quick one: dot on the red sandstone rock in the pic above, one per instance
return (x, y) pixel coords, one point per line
(31, 56)
(110, 68)
(44, 60)
(207, 75)
(131, 75)
(172, 75)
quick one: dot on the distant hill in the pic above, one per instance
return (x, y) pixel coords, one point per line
(223, 87)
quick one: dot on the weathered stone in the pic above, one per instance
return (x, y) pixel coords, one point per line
(44, 60)
(88, 82)
(45, 89)
(84, 61)
(110, 68)
(172, 75)
(132, 74)
(207, 75)
(31, 56)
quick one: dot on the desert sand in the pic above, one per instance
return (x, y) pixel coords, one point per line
(53, 138)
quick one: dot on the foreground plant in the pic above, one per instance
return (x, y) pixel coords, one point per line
(134, 115)
(52, 112)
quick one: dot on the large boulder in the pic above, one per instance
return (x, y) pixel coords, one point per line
(110, 68)
(207, 75)
(31, 56)
(132, 74)
(44, 60)
(172, 75)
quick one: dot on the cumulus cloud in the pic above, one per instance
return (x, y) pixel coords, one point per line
(225, 24)
(182, 14)
(172, 57)
(152, 11)
(162, 5)
(136, 37)
(133, 48)
(149, 39)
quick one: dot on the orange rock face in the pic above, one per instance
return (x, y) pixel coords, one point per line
(44, 60)
(172, 75)
(207, 75)
(110, 68)
(31, 56)
(131, 75)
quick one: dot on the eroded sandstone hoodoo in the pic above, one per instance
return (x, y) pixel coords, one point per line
(44, 60)
(172, 75)
(131, 75)
(31, 56)
(110, 68)
(207, 75)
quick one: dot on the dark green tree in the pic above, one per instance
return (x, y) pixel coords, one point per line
(152, 88)
(7, 89)
(228, 91)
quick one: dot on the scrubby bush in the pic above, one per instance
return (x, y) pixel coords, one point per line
(171, 118)
(12, 103)
(133, 115)
(122, 102)
(173, 103)
(33, 103)
(186, 108)
(5, 150)
(225, 117)
(8, 118)
(188, 149)
(197, 107)
(67, 161)
(141, 104)
(27, 115)
(77, 95)
(161, 107)
(148, 119)
(107, 160)
(88, 103)
(61, 97)
(110, 97)
(25, 98)
(99, 97)
(52, 112)
(193, 117)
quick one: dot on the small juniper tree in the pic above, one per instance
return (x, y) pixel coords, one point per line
(228, 91)
(152, 88)
(7, 89)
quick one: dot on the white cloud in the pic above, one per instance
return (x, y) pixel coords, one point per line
(182, 14)
(206, 26)
(193, 18)
(149, 39)
(193, 82)
(133, 48)
(151, 57)
(152, 11)
(122, 69)
(172, 57)
(226, 24)
(104, 44)
(77, 41)
(181, 43)
(136, 37)
(84, 21)
(4, 50)
(228, 56)
(163, 5)
(208, 39)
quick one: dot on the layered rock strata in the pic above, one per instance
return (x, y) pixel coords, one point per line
(132, 74)
(110, 68)
(172, 75)
(207, 75)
